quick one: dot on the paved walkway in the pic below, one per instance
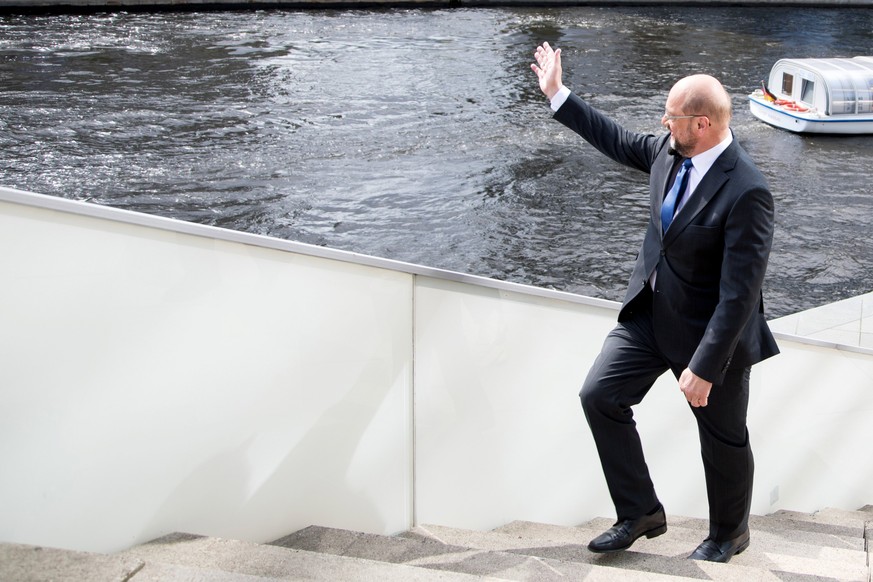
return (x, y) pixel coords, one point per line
(847, 323)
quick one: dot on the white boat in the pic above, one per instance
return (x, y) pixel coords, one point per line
(828, 95)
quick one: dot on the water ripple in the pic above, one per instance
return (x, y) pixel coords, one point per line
(420, 135)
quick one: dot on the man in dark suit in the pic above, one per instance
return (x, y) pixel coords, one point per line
(693, 306)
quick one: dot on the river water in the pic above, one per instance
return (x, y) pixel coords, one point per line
(420, 135)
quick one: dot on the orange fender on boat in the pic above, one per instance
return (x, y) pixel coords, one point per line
(789, 105)
(794, 107)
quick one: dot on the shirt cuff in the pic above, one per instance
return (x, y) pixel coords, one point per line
(559, 98)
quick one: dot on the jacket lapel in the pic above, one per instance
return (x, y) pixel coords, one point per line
(661, 171)
(703, 194)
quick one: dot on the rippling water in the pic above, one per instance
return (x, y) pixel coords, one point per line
(420, 135)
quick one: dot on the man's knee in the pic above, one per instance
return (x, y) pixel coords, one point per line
(593, 397)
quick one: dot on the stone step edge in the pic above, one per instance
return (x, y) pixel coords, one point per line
(156, 570)
(691, 528)
(19, 561)
(631, 560)
(535, 532)
(268, 561)
(437, 567)
(161, 572)
(634, 564)
(821, 522)
(828, 516)
(771, 522)
(853, 568)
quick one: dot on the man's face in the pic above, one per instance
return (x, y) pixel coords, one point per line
(682, 138)
(681, 125)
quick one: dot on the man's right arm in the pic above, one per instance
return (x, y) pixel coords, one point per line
(632, 149)
(636, 150)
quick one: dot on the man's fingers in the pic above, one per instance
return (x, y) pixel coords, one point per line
(549, 60)
(544, 52)
(696, 398)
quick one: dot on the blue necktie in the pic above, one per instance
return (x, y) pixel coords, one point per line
(674, 195)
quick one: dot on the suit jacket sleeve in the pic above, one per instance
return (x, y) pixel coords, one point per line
(738, 316)
(632, 149)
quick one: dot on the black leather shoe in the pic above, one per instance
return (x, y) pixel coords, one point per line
(712, 551)
(624, 533)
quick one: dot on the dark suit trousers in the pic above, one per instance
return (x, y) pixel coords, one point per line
(620, 377)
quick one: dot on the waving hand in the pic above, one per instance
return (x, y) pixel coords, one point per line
(548, 69)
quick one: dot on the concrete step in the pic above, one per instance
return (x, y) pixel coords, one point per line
(426, 551)
(828, 520)
(821, 527)
(25, 563)
(158, 572)
(813, 554)
(681, 538)
(776, 545)
(640, 560)
(209, 554)
(803, 531)
(828, 545)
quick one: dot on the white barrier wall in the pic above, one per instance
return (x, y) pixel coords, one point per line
(158, 376)
(154, 381)
(501, 434)
(500, 430)
(812, 418)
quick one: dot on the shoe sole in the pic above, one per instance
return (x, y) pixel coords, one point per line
(742, 548)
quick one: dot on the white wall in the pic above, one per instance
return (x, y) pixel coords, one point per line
(812, 421)
(158, 376)
(500, 430)
(154, 381)
(501, 434)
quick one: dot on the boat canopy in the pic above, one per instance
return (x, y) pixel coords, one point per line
(847, 83)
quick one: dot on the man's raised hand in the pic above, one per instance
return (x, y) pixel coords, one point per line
(548, 69)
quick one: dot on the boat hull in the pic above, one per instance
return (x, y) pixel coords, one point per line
(808, 122)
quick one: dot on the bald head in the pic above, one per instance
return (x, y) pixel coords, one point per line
(703, 97)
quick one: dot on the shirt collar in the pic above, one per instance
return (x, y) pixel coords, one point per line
(704, 161)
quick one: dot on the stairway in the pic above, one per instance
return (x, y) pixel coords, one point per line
(827, 545)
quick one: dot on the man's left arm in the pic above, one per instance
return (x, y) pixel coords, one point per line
(748, 236)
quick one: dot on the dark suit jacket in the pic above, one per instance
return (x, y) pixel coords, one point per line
(708, 309)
